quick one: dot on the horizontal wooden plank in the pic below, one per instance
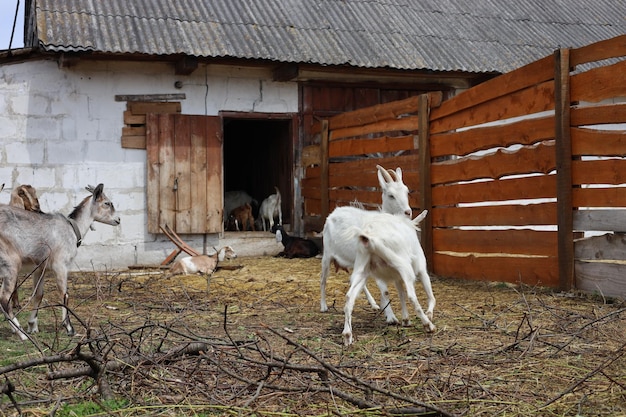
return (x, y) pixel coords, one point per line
(599, 197)
(522, 78)
(134, 119)
(404, 124)
(134, 131)
(605, 171)
(526, 160)
(511, 241)
(598, 114)
(525, 132)
(145, 108)
(593, 142)
(383, 144)
(610, 246)
(134, 142)
(150, 97)
(377, 113)
(358, 166)
(534, 99)
(599, 83)
(600, 220)
(526, 188)
(499, 215)
(528, 270)
(607, 279)
(609, 48)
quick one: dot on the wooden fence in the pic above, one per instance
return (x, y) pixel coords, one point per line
(513, 170)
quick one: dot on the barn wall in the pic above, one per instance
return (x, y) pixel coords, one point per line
(61, 128)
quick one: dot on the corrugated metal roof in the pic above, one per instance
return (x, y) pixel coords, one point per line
(438, 35)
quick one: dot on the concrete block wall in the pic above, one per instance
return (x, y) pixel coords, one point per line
(60, 130)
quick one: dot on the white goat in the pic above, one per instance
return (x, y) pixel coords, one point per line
(342, 251)
(50, 240)
(389, 250)
(203, 264)
(270, 208)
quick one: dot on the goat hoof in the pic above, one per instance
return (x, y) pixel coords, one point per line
(406, 323)
(430, 328)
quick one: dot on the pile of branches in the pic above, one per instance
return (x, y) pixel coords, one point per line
(164, 365)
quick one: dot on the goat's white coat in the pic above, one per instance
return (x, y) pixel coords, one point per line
(270, 208)
(389, 250)
(340, 246)
(203, 264)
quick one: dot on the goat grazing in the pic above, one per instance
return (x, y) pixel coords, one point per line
(295, 247)
(203, 264)
(270, 208)
(340, 250)
(46, 238)
(241, 218)
(389, 250)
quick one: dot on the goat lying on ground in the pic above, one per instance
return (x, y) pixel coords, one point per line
(388, 249)
(295, 247)
(342, 251)
(241, 218)
(50, 239)
(203, 264)
(270, 208)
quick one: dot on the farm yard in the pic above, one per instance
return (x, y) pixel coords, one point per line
(251, 341)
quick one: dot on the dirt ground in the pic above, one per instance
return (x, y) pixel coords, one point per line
(251, 341)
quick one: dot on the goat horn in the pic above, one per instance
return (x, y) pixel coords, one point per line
(384, 173)
(393, 175)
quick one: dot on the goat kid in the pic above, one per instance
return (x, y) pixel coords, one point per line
(341, 251)
(203, 264)
(241, 218)
(271, 208)
(50, 240)
(295, 247)
(389, 250)
(234, 199)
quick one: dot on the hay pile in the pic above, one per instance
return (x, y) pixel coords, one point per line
(251, 340)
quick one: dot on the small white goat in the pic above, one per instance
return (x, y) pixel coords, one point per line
(340, 248)
(389, 250)
(270, 208)
(46, 238)
(203, 264)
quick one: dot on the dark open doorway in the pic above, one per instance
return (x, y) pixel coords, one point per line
(257, 157)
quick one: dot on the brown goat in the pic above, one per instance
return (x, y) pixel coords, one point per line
(23, 196)
(242, 217)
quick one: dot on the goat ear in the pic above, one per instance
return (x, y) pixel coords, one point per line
(398, 174)
(97, 192)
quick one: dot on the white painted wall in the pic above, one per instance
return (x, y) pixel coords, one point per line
(60, 130)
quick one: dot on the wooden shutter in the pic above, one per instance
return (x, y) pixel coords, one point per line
(184, 173)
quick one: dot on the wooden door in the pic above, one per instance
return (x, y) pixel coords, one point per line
(184, 155)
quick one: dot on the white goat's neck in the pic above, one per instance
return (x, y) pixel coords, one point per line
(83, 216)
(221, 254)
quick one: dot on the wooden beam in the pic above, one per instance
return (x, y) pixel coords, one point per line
(324, 170)
(150, 97)
(563, 148)
(425, 188)
(286, 72)
(186, 65)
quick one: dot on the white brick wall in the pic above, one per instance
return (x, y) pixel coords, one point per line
(60, 130)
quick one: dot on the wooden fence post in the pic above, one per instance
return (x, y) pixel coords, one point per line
(424, 177)
(324, 181)
(565, 216)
